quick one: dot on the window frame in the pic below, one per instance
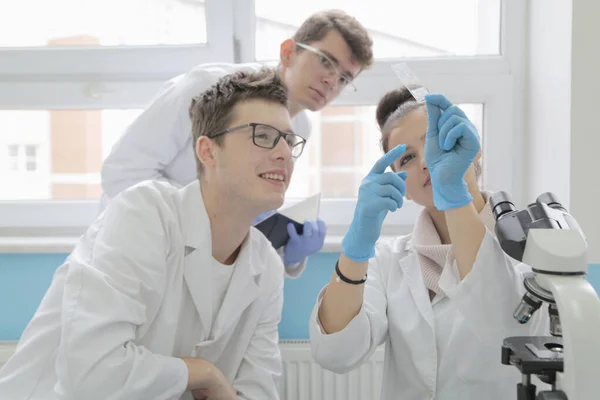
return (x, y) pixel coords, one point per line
(495, 81)
(68, 62)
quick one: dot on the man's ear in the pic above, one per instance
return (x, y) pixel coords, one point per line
(205, 151)
(287, 50)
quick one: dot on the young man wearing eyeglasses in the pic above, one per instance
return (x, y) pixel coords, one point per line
(321, 60)
(171, 294)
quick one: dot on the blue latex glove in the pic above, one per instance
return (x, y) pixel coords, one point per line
(299, 247)
(379, 193)
(451, 145)
(261, 217)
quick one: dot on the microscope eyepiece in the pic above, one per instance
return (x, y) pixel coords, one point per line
(500, 203)
(550, 200)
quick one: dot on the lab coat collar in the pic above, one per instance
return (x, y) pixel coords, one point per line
(485, 214)
(244, 285)
(195, 218)
(412, 273)
(409, 264)
(197, 232)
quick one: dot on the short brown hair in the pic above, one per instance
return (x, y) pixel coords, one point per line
(213, 110)
(319, 24)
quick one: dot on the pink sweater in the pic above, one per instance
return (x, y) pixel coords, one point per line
(433, 255)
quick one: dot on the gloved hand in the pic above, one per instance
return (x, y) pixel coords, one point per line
(299, 247)
(261, 217)
(451, 145)
(379, 193)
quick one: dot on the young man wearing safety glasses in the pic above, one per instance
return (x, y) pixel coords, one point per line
(171, 293)
(319, 62)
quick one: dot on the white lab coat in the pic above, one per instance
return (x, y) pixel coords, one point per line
(107, 327)
(158, 144)
(447, 351)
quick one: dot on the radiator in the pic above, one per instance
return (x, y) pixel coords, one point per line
(303, 379)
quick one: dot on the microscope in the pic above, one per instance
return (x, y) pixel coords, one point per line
(547, 238)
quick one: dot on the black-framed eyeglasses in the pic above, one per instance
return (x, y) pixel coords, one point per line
(267, 137)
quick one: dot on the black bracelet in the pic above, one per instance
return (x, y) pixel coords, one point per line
(341, 276)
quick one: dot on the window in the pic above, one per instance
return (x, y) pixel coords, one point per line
(30, 158)
(154, 39)
(103, 23)
(74, 143)
(13, 157)
(21, 158)
(20, 176)
(70, 86)
(426, 28)
(344, 145)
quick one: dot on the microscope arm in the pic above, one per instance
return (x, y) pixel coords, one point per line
(559, 257)
(547, 238)
(579, 310)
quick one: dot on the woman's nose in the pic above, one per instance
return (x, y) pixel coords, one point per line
(423, 163)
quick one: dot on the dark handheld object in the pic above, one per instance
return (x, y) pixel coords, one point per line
(275, 229)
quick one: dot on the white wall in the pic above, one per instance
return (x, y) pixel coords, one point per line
(562, 135)
(547, 113)
(585, 122)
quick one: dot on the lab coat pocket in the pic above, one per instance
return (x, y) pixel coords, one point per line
(221, 352)
(209, 350)
(477, 362)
